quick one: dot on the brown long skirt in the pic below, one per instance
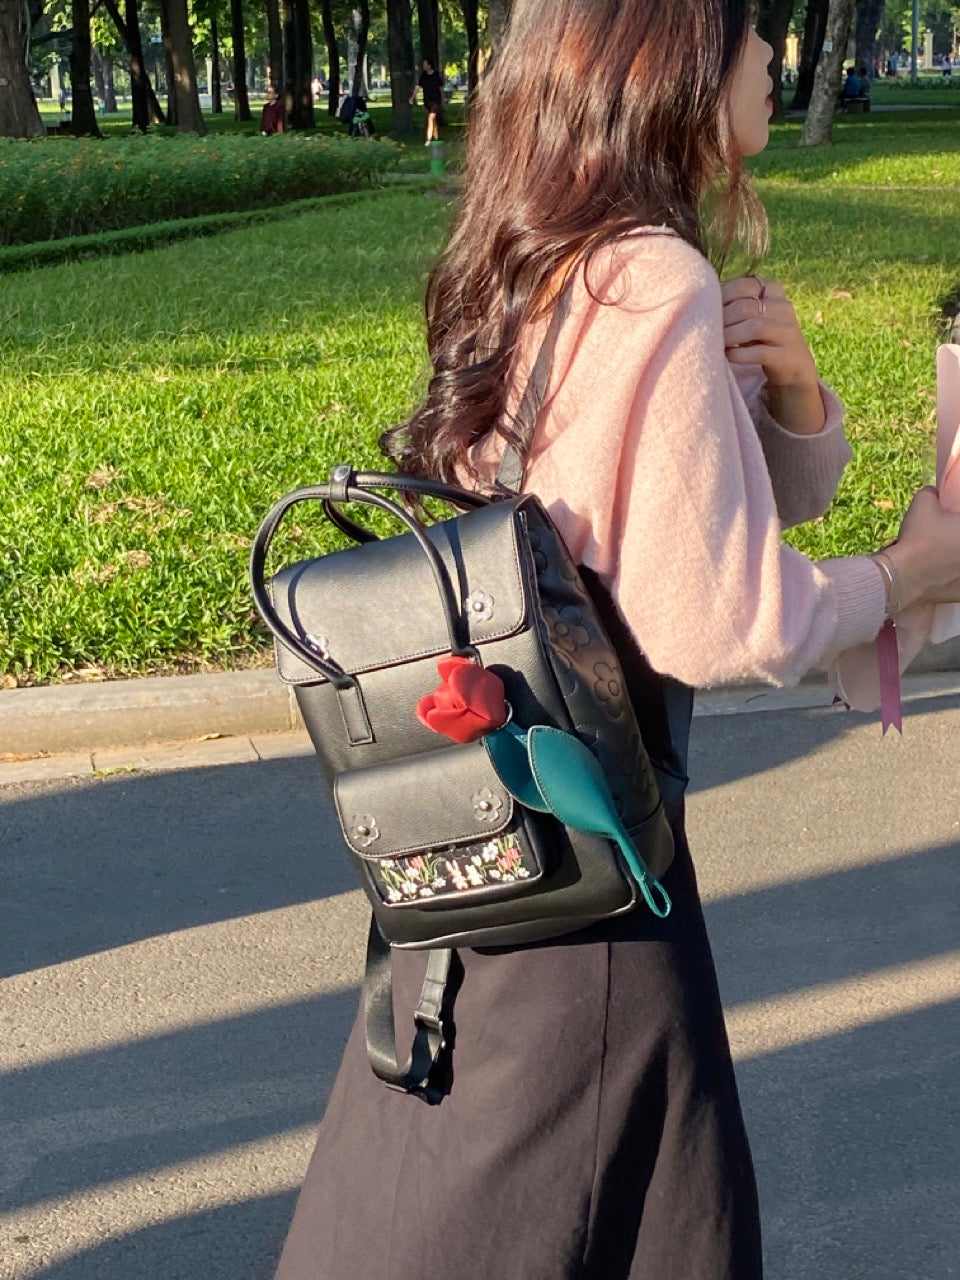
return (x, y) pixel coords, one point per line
(593, 1130)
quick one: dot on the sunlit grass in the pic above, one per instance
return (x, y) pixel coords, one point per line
(152, 406)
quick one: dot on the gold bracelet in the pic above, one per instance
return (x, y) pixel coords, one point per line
(887, 568)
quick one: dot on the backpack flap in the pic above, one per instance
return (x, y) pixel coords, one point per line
(438, 830)
(376, 605)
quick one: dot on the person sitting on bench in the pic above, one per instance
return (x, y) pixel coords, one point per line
(851, 86)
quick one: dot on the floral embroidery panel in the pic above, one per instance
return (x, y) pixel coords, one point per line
(449, 872)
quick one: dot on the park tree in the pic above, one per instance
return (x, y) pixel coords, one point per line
(818, 126)
(178, 46)
(216, 83)
(84, 114)
(471, 22)
(146, 108)
(773, 19)
(19, 113)
(428, 25)
(400, 56)
(106, 48)
(814, 29)
(869, 21)
(298, 64)
(241, 97)
(274, 44)
(361, 27)
(333, 57)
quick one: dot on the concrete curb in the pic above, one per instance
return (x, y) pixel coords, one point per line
(82, 717)
(56, 719)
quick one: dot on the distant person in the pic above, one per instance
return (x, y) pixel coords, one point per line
(864, 79)
(851, 86)
(946, 65)
(432, 87)
(361, 123)
(892, 68)
(273, 117)
(62, 99)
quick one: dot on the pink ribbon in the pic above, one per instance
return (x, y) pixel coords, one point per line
(888, 663)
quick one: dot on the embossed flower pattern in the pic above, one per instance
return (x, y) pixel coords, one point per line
(608, 688)
(566, 628)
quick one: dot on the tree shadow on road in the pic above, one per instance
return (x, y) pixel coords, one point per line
(89, 866)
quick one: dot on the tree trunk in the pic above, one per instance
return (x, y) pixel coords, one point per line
(772, 23)
(172, 116)
(179, 43)
(19, 114)
(428, 20)
(99, 79)
(869, 22)
(302, 114)
(241, 99)
(84, 114)
(274, 45)
(109, 86)
(362, 27)
(216, 85)
(814, 26)
(498, 13)
(429, 24)
(818, 126)
(146, 108)
(400, 55)
(333, 58)
(472, 25)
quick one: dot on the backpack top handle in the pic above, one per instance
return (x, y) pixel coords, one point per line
(346, 485)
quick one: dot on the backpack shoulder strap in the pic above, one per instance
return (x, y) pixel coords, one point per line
(510, 474)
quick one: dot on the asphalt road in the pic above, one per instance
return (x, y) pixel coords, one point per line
(180, 956)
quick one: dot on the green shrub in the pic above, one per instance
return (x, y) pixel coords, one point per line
(50, 188)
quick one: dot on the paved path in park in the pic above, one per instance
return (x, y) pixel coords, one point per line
(182, 948)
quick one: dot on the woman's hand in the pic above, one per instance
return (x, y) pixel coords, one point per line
(926, 555)
(760, 327)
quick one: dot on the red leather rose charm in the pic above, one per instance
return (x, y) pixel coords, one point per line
(467, 704)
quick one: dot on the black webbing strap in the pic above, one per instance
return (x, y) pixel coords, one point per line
(510, 475)
(421, 1073)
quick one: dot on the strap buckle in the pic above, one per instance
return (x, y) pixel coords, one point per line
(431, 1022)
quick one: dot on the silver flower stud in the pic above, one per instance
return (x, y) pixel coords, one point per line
(486, 805)
(479, 606)
(364, 829)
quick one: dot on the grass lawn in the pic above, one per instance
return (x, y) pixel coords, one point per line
(152, 406)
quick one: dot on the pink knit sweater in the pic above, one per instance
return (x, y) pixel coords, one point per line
(664, 473)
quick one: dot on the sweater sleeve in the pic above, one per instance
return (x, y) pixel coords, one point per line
(688, 533)
(804, 469)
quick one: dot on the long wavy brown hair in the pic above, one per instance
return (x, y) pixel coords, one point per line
(598, 117)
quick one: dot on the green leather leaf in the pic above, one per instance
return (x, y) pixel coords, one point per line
(553, 772)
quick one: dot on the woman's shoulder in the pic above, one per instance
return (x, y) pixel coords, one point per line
(651, 267)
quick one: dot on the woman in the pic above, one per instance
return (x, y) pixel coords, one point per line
(593, 1129)
(432, 87)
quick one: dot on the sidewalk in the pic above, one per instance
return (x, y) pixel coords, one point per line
(182, 950)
